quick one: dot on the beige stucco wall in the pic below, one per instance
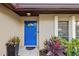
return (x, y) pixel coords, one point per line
(45, 28)
(9, 27)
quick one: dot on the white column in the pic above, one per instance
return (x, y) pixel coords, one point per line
(56, 26)
(72, 28)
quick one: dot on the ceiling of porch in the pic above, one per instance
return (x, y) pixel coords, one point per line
(42, 8)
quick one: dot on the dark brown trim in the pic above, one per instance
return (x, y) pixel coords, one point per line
(36, 11)
(8, 5)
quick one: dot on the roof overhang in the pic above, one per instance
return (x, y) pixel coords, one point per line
(43, 8)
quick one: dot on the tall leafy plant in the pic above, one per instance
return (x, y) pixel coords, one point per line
(72, 47)
(75, 44)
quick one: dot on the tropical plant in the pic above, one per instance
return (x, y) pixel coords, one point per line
(53, 47)
(63, 42)
(72, 47)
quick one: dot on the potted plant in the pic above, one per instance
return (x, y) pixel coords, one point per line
(13, 46)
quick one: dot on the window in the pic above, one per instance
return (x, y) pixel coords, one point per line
(77, 29)
(63, 29)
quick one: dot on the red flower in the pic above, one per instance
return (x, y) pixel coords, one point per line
(57, 45)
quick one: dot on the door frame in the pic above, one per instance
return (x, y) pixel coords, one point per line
(37, 31)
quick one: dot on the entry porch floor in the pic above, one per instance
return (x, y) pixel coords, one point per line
(25, 52)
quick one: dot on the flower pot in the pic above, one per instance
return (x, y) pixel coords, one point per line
(12, 50)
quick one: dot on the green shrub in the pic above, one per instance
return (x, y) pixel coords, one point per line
(72, 47)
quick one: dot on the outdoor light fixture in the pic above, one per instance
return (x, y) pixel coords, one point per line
(28, 14)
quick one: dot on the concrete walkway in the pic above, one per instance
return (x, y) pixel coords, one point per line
(25, 52)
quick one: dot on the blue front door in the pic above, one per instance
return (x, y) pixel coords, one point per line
(30, 33)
